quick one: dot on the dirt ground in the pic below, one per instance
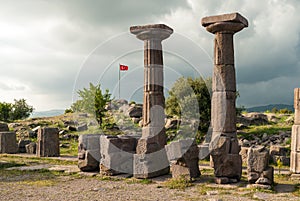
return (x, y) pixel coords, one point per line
(51, 180)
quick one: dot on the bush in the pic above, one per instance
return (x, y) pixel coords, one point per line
(190, 98)
(18, 110)
(92, 101)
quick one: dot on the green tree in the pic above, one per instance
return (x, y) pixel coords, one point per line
(92, 101)
(5, 111)
(20, 109)
(190, 98)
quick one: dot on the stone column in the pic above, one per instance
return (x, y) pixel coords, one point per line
(224, 144)
(153, 132)
(295, 143)
(47, 142)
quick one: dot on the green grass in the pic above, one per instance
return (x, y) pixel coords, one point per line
(138, 181)
(260, 130)
(180, 183)
(34, 160)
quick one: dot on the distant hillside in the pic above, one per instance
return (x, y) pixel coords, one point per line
(270, 107)
(49, 113)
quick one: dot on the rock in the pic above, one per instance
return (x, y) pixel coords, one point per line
(279, 152)
(172, 123)
(47, 142)
(32, 134)
(117, 154)
(22, 145)
(183, 156)
(258, 168)
(253, 118)
(89, 152)
(31, 148)
(8, 143)
(135, 111)
(82, 127)
(221, 180)
(135, 120)
(258, 159)
(244, 154)
(3, 127)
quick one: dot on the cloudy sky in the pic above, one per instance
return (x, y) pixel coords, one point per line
(50, 49)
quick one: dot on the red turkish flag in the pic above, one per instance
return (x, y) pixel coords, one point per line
(123, 67)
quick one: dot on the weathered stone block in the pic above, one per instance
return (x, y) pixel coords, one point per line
(153, 139)
(89, 152)
(183, 153)
(8, 143)
(47, 142)
(223, 52)
(231, 17)
(87, 161)
(279, 152)
(295, 162)
(117, 154)
(185, 148)
(295, 138)
(31, 148)
(22, 145)
(244, 154)
(228, 165)
(223, 112)
(224, 78)
(3, 127)
(151, 165)
(258, 159)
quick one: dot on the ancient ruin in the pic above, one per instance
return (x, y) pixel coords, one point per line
(151, 159)
(183, 156)
(89, 152)
(295, 143)
(259, 172)
(47, 142)
(225, 149)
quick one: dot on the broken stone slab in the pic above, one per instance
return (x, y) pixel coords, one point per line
(183, 156)
(89, 152)
(150, 165)
(31, 148)
(3, 127)
(8, 143)
(258, 168)
(47, 142)
(258, 159)
(22, 145)
(117, 154)
(232, 17)
(228, 165)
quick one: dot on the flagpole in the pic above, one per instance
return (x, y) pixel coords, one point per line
(119, 81)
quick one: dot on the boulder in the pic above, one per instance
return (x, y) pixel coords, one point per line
(3, 127)
(22, 145)
(89, 152)
(31, 148)
(135, 111)
(47, 142)
(172, 123)
(8, 143)
(183, 157)
(117, 154)
(258, 168)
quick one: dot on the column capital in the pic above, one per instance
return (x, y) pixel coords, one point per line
(226, 23)
(151, 31)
